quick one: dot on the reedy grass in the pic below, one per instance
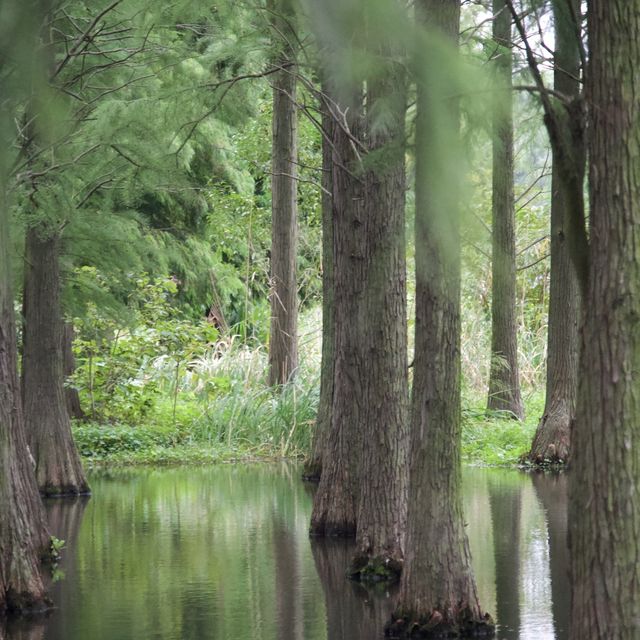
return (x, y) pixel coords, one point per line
(226, 411)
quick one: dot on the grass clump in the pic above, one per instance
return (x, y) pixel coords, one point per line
(496, 439)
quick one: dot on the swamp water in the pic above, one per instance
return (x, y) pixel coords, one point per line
(222, 553)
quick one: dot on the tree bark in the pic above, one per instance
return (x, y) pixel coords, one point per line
(362, 479)
(604, 508)
(504, 380)
(313, 467)
(283, 343)
(335, 501)
(58, 468)
(438, 593)
(384, 391)
(24, 539)
(551, 444)
(74, 408)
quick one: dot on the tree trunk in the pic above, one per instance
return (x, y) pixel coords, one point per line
(74, 409)
(313, 467)
(362, 478)
(335, 501)
(504, 381)
(604, 508)
(438, 592)
(58, 468)
(551, 444)
(383, 383)
(24, 540)
(283, 344)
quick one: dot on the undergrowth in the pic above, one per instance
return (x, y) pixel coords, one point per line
(221, 409)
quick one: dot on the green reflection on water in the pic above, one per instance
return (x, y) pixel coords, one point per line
(222, 553)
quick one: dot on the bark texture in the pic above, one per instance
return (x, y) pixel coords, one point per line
(23, 533)
(384, 391)
(362, 490)
(551, 444)
(438, 593)
(313, 467)
(58, 468)
(504, 379)
(335, 501)
(283, 342)
(604, 507)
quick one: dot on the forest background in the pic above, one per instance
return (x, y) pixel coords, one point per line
(159, 181)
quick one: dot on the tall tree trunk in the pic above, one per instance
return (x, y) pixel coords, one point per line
(23, 533)
(362, 479)
(604, 507)
(283, 344)
(504, 380)
(58, 468)
(335, 501)
(438, 591)
(313, 467)
(384, 387)
(551, 443)
(74, 408)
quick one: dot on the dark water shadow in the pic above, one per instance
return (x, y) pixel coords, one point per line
(64, 517)
(552, 492)
(505, 501)
(353, 611)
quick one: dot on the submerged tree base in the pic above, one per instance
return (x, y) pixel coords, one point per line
(551, 444)
(71, 491)
(378, 569)
(24, 604)
(343, 529)
(312, 472)
(459, 624)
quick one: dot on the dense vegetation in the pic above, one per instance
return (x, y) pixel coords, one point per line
(258, 230)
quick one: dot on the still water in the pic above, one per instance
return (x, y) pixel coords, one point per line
(222, 553)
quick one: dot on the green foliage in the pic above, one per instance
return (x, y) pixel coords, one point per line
(99, 441)
(56, 547)
(498, 440)
(121, 371)
(221, 405)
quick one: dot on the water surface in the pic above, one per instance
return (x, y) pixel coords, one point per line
(222, 553)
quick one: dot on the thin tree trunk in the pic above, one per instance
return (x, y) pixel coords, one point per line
(604, 507)
(283, 344)
(504, 382)
(313, 467)
(551, 443)
(74, 408)
(24, 539)
(58, 468)
(438, 592)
